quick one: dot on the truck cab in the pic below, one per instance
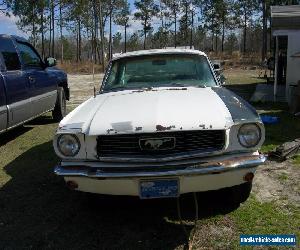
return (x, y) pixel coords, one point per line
(29, 86)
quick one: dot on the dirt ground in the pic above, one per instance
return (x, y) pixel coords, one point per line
(82, 87)
(278, 182)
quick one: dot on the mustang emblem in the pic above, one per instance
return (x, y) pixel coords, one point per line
(157, 143)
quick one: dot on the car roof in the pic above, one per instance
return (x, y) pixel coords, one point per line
(18, 38)
(157, 52)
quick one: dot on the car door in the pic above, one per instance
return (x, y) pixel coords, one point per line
(41, 81)
(3, 107)
(15, 83)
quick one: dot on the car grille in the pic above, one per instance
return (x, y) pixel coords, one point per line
(185, 142)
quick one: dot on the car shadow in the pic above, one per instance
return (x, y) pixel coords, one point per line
(37, 211)
(12, 134)
(42, 120)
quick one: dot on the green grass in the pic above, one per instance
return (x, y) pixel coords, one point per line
(288, 128)
(283, 177)
(240, 76)
(38, 212)
(296, 160)
(254, 217)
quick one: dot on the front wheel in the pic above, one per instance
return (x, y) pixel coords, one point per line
(60, 109)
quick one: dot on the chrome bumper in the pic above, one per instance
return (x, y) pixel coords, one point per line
(212, 167)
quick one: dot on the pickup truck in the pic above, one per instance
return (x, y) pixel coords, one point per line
(29, 86)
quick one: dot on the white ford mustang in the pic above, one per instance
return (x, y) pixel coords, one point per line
(160, 126)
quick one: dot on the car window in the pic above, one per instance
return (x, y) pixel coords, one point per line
(160, 71)
(9, 54)
(29, 57)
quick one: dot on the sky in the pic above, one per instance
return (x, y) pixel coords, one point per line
(8, 24)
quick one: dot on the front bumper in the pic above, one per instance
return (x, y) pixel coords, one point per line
(212, 175)
(212, 167)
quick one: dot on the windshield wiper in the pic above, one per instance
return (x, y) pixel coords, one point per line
(177, 84)
(114, 89)
(128, 88)
(187, 85)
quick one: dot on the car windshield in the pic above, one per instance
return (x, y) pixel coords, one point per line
(153, 71)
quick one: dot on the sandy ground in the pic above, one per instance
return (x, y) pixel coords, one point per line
(273, 182)
(278, 182)
(82, 87)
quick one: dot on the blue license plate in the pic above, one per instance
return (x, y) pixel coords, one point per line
(150, 189)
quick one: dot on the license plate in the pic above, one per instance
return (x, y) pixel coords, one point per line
(150, 189)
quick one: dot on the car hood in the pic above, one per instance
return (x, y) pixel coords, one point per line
(150, 111)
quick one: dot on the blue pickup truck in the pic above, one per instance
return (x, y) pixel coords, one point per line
(29, 86)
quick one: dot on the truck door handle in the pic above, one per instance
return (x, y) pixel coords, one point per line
(31, 79)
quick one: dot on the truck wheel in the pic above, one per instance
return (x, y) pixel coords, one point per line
(60, 108)
(238, 194)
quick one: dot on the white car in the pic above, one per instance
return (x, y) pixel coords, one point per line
(160, 126)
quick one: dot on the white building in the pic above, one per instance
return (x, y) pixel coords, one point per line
(285, 25)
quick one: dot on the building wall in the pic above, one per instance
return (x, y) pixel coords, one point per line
(293, 63)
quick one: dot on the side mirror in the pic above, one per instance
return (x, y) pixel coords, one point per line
(50, 62)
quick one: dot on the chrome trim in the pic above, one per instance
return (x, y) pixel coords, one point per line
(157, 139)
(213, 167)
(32, 99)
(28, 120)
(43, 96)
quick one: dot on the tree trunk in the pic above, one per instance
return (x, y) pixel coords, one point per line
(145, 36)
(110, 32)
(95, 33)
(102, 35)
(42, 33)
(161, 42)
(145, 33)
(53, 16)
(191, 41)
(50, 33)
(245, 34)
(125, 38)
(175, 21)
(264, 45)
(77, 57)
(61, 34)
(33, 25)
(223, 33)
(186, 24)
(79, 40)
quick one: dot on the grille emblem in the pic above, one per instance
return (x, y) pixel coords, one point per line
(164, 143)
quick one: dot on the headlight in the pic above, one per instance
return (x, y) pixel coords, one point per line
(249, 135)
(68, 145)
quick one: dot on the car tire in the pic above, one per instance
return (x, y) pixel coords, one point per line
(239, 194)
(60, 109)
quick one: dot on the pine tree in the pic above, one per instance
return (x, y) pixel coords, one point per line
(147, 9)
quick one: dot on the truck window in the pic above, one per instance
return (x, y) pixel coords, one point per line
(9, 54)
(29, 57)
